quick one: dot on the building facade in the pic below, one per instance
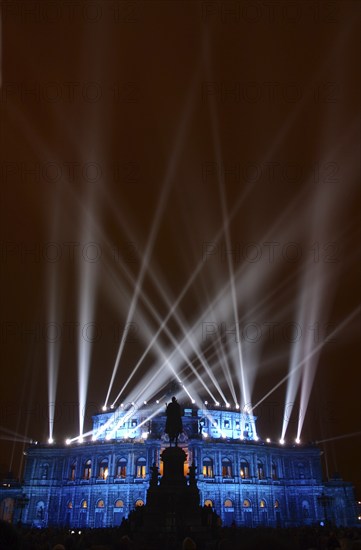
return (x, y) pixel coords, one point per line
(248, 481)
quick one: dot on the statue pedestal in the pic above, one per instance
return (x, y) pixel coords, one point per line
(173, 504)
(173, 459)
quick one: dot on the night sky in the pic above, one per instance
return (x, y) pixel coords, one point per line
(201, 156)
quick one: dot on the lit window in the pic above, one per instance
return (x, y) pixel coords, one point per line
(208, 467)
(260, 470)
(119, 504)
(121, 470)
(103, 469)
(226, 468)
(140, 468)
(139, 502)
(72, 471)
(228, 503)
(208, 502)
(87, 472)
(100, 503)
(262, 503)
(44, 471)
(277, 504)
(69, 505)
(84, 504)
(244, 470)
(246, 503)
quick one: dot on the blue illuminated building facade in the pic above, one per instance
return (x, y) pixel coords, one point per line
(248, 481)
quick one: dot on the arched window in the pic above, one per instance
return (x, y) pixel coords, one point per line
(301, 470)
(72, 471)
(305, 509)
(118, 512)
(87, 470)
(69, 505)
(260, 470)
(121, 469)
(7, 509)
(207, 467)
(140, 468)
(274, 473)
(139, 502)
(263, 515)
(244, 469)
(84, 504)
(277, 504)
(208, 502)
(226, 468)
(100, 503)
(246, 431)
(247, 509)
(228, 512)
(40, 510)
(44, 471)
(103, 469)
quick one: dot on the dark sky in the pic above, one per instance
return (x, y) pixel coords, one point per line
(176, 136)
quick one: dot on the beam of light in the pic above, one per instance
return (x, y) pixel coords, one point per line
(127, 417)
(54, 312)
(124, 417)
(160, 285)
(15, 439)
(318, 287)
(315, 298)
(222, 295)
(245, 395)
(295, 374)
(220, 355)
(337, 437)
(171, 169)
(139, 282)
(177, 301)
(1, 50)
(183, 344)
(83, 353)
(155, 381)
(88, 273)
(177, 348)
(234, 210)
(315, 350)
(292, 387)
(11, 435)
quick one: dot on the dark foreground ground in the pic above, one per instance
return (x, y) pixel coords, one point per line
(303, 538)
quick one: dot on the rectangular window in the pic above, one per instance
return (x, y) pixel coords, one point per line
(141, 471)
(207, 470)
(122, 472)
